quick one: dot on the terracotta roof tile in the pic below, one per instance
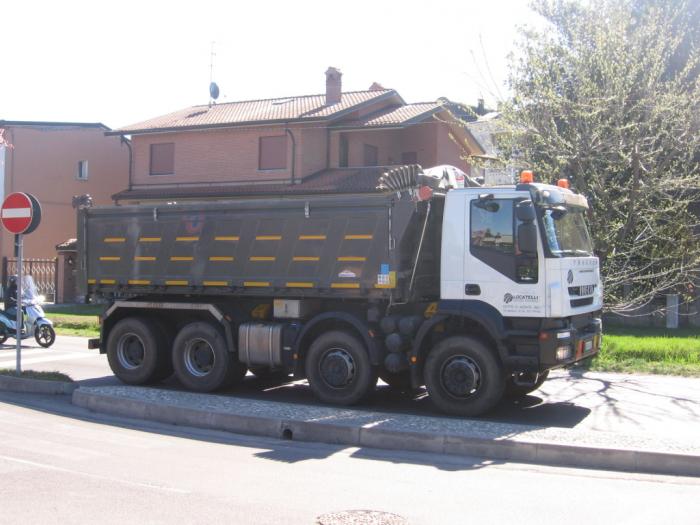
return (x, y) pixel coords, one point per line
(308, 107)
(394, 116)
(335, 180)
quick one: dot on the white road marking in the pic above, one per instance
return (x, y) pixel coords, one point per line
(94, 476)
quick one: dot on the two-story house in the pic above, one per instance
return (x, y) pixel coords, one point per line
(336, 141)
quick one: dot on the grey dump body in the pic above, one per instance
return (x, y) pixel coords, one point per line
(354, 246)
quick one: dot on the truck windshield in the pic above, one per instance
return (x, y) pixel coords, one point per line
(566, 232)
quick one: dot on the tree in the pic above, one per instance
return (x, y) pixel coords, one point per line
(607, 95)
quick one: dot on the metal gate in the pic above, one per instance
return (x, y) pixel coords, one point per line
(44, 272)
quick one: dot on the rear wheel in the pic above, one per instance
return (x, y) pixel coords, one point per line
(133, 350)
(201, 358)
(464, 377)
(514, 390)
(3, 334)
(339, 370)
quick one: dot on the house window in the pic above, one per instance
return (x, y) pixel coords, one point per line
(163, 159)
(409, 157)
(82, 171)
(273, 153)
(344, 152)
(371, 155)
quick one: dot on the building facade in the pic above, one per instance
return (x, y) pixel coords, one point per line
(56, 161)
(286, 144)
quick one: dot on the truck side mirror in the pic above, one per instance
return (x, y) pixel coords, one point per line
(525, 211)
(527, 238)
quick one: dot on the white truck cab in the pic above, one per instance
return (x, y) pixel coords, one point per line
(521, 257)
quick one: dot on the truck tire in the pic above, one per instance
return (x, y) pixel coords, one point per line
(339, 370)
(514, 391)
(201, 359)
(464, 377)
(134, 350)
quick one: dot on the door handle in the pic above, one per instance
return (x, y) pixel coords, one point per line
(472, 289)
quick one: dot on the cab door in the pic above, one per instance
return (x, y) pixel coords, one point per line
(496, 270)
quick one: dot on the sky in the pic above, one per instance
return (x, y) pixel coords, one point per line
(124, 62)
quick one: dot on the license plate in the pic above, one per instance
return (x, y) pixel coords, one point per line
(588, 346)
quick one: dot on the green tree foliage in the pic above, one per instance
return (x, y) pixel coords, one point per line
(607, 95)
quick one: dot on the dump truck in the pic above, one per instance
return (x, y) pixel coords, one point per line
(474, 292)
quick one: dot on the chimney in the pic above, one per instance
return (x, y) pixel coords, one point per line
(480, 107)
(334, 85)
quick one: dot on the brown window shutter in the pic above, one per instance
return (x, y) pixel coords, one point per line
(273, 153)
(163, 159)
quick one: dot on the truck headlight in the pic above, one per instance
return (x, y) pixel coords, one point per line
(564, 353)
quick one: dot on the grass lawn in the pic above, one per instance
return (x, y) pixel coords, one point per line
(649, 351)
(31, 374)
(80, 319)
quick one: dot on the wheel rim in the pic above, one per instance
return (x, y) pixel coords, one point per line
(44, 334)
(460, 376)
(130, 351)
(337, 368)
(199, 357)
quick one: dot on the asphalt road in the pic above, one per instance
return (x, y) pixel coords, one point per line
(62, 464)
(604, 402)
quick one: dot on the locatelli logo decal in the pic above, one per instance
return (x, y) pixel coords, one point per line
(520, 298)
(570, 277)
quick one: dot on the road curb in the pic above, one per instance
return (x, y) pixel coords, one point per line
(36, 386)
(500, 449)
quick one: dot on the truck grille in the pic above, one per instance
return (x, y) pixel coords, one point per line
(583, 290)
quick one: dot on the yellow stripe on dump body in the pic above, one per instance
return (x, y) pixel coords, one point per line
(262, 258)
(345, 285)
(352, 258)
(256, 284)
(139, 281)
(177, 283)
(108, 281)
(182, 258)
(220, 258)
(227, 238)
(358, 237)
(187, 239)
(110, 258)
(268, 237)
(114, 239)
(300, 285)
(92, 281)
(215, 283)
(144, 258)
(304, 258)
(149, 239)
(312, 237)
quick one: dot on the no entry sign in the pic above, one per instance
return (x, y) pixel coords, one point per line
(20, 213)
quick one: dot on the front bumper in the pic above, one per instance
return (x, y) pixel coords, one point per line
(566, 346)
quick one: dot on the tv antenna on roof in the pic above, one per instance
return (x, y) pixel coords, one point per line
(213, 87)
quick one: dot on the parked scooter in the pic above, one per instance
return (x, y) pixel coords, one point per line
(34, 321)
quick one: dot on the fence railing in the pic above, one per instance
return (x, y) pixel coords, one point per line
(44, 272)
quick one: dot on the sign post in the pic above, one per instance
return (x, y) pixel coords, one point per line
(20, 214)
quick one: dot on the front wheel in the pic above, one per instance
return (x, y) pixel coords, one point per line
(45, 335)
(339, 370)
(3, 334)
(464, 377)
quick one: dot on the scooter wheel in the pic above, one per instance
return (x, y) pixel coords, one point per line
(3, 335)
(45, 335)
